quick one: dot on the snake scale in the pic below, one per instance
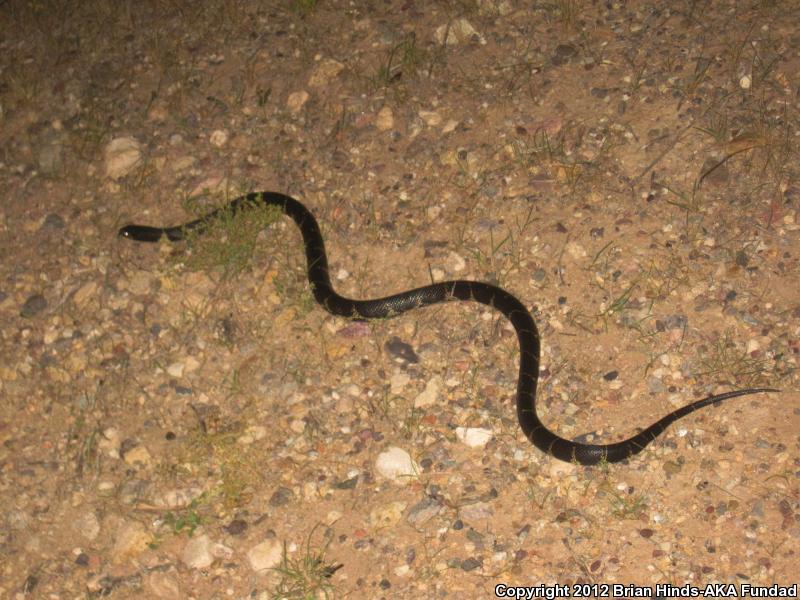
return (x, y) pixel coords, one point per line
(474, 291)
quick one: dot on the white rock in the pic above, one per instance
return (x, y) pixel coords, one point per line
(428, 396)
(219, 138)
(575, 250)
(396, 464)
(455, 262)
(176, 369)
(266, 555)
(197, 553)
(474, 437)
(122, 155)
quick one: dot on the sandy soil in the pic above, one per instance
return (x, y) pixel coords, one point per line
(627, 169)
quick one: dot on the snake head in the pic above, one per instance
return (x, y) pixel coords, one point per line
(141, 233)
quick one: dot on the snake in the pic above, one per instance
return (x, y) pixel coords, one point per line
(487, 294)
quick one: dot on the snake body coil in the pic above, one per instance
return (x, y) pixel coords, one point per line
(484, 293)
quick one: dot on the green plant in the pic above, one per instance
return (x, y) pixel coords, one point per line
(403, 60)
(308, 576)
(230, 241)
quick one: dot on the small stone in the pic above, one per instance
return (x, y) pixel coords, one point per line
(423, 511)
(397, 465)
(470, 564)
(324, 72)
(180, 497)
(398, 381)
(388, 515)
(455, 263)
(236, 527)
(296, 100)
(458, 32)
(176, 369)
(163, 586)
(50, 156)
(87, 525)
(575, 250)
(33, 305)
(431, 117)
(138, 455)
(197, 554)
(401, 350)
(430, 395)
(84, 294)
(385, 120)
(281, 497)
(140, 283)
(219, 138)
(130, 541)
(122, 155)
(266, 555)
(450, 126)
(53, 221)
(474, 437)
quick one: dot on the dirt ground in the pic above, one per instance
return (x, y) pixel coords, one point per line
(181, 428)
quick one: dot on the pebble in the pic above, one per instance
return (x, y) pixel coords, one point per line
(431, 117)
(219, 138)
(398, 381)
(387, 515)
(266, 555)
(130, 540)
(397, 465)
(455, 263)
(296, 101)
(122, 155)
(179, 498)
(33, 305)
(85, 293)
(281, 497)
(474, 437)
(87, 525)
(385, 119)
(139, 456)
(430, 395)
(401, 350)
(423, 511)
(50, 157)
(163, 586)
(197, 553)
(176, 369)
(325, 70)
(459, 31)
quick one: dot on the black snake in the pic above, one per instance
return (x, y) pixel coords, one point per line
(484, 293)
